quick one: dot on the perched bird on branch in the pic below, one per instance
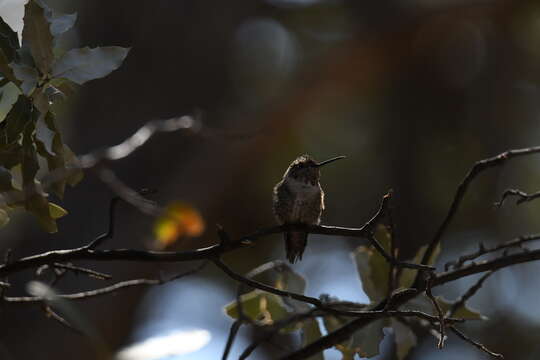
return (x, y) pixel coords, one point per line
(299, 199)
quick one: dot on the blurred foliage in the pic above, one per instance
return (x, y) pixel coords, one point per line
(178, 220)
(38, 74)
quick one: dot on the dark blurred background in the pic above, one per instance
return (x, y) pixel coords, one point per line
(413, 92)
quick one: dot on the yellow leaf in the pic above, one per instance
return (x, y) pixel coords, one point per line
(178, 220)
(56, 211)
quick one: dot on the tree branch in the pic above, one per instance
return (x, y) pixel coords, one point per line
(482, 250)
(442, 325)
(522, 196)
(477, 168)
(84, 295)
(474, 343)
(258, 285)
(81, 270)
(211, 252)
(110, 230)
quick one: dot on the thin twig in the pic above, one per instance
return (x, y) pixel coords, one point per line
(88, 294)
(84, 295)
(482, 250)
(475, 343)
(110, 230)
(54, 315)
(392, 273)
(437, 307)
(81, 270)
(468, 294)
(258, 285)
(521, 195)
(379, 314)
(113, 204)
(487, 265)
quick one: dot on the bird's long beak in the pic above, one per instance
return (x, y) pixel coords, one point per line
(330, 160)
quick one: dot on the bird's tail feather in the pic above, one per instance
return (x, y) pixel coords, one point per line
(295, 244)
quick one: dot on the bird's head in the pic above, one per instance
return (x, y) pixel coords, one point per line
(305, 169)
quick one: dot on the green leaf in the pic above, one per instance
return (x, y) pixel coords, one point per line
(373, 268)
(310, 333)
(27, 75)
(85, 64)
(59, 157)
(9, 42)
(37, 35)
(50, 146)
(65, 87)
(262, 307)
(16, 120)
(10, 92)
(408, 275)
(40, 99)
(35, 199)
(404, 338)
(6, 70)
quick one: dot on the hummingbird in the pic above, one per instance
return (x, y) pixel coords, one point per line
(299, 199)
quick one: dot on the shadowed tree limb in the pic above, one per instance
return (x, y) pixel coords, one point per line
(521, 195)
(258, 285)
(84, 295)
(80, 270)
(211, 252)
(475, 343)
(482, 250)
(437, 308)
(477, 168)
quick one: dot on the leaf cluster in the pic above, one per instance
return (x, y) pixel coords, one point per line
(38, 74)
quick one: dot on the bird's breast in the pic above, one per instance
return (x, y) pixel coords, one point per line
(305, 203)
